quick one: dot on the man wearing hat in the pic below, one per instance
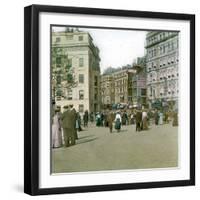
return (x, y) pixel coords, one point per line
(73, 121)
(68, 126)
(138, 120)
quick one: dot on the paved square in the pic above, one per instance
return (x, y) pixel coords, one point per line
(98, 149)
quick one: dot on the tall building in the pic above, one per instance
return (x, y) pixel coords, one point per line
(75, 70)
(116, 87)
(139, 82)
(162, 68)
(107, 90)
(123, 86)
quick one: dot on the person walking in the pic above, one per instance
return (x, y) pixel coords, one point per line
(160, 122)
(118, 121)
(92, 117)
(144, 120)
(78, 122)
(85, 119)
(106, 119)
(138, 120)
(102, 119)
(98, 119)
(124, 118)
(56, 130)
(73, 119)
(166, 117)
(132, 120)
(110, 119)
(156, 117)
(68, 123)
(175, 119)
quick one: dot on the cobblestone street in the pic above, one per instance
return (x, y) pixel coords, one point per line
(97, 149)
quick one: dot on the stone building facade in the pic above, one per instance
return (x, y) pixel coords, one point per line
(75, 56)
(162, 68)
(107, 90)
(123, 86)
(116, 87)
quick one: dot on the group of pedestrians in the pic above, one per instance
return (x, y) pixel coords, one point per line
(65, 126)
(141, 118)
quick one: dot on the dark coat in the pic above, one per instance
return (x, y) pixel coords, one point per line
(138, 117)
(69, 119)
(110, 119)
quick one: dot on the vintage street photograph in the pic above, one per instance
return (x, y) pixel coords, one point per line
(114, 99)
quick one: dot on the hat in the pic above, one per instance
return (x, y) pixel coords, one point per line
(57, 110)
(66, 107)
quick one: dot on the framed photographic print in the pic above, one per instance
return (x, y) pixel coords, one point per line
(109, 99)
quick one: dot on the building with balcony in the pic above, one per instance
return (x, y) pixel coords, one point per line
(75, 70)
(162, 68)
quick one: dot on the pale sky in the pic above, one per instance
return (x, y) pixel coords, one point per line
(117, 47)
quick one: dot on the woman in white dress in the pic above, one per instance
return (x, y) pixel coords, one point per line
(144, 120)
(118, 121)
(56, 130)
(160, 122)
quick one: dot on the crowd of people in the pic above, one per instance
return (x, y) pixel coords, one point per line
(66, 125)
(142, 118)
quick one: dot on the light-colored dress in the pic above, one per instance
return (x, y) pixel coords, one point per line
(118, 121)
(56, 132)
(144, 121)
(160, 122)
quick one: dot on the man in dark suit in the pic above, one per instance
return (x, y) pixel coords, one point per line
(110, 119)
(156, 116)
(73, 120)
(68, 123)
(138, 120)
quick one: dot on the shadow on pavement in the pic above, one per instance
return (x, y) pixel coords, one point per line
(83, 137)
(85, 141)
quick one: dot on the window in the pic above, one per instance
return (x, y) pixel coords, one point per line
(163, 48)
(69, 94)
(81, 78)
(169, 47)
(143, 92)
(172, 46)
(95, 96)
(81, 108)
(154, 52)
(81, 94)
(58, 39)
(81, 62)
(163, 35)
(80, 38)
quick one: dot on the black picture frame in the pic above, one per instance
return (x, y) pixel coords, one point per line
(31, 98)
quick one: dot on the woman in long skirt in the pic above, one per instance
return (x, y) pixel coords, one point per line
(160, 122)
(56, 131)
(144, 120)
(118, 121)
(98, 119)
